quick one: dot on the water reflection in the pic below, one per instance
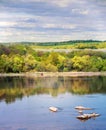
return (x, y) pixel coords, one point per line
(12, 88)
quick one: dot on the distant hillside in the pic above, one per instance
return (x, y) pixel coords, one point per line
(54, 43)
(76, 44)
(65, 42)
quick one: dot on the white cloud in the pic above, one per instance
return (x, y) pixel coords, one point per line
(80, 11)
(7, 24)
(15, 16)
(49, 25)
(69, 26)
(59, 26)
(60, 3)
(6, 33)
(24, 24)
(11, 35)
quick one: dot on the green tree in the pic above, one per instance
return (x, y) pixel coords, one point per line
(3, 63)
(53, 58)
(16, 63)
(104, 65)
(80, 63)
(30, 63)
(51, 68)
(96, 63)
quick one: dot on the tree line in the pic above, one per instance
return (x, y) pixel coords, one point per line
(23, 58)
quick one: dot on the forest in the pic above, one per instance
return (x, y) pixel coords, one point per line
(23, 57)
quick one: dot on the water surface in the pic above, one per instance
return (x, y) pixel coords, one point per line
(24, 103)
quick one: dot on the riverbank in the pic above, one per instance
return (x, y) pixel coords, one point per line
(54, 74)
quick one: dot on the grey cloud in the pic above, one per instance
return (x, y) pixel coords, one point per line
(44, 18)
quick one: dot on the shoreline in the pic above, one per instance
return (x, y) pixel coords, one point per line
(54, 74)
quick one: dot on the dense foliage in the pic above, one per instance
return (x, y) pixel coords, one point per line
(18, 58)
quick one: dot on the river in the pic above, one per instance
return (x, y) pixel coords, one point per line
(25, 102)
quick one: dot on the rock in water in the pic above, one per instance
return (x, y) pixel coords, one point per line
(82, 108)
(88, 116)
(54, 109)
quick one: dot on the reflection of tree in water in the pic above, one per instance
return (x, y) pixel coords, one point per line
(89, 85)
(18, 87)
(80, 86)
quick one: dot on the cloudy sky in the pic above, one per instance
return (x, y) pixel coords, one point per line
(52, 20)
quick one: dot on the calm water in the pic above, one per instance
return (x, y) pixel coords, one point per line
(24, 103)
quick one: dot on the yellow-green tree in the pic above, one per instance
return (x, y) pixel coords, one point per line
(30, 63)
(80, 63)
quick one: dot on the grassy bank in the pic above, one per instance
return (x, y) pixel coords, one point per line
(55, 74)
